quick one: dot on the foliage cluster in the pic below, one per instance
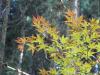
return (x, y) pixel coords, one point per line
(74, 52)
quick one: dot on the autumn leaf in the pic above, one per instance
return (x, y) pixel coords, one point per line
(31, 47)
(36, 20)
(30, 39)
(80, 20)
(21, 40)
(43, 72)
(94, 21)
(70, 13)
(20, 47)
(41, 23)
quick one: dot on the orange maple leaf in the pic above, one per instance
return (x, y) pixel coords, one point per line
(21, 40)
(41, 23)
(30, 39)
(70, 13)
(21, 47)
(40, 20)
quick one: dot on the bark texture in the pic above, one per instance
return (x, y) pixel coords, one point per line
(3, 32)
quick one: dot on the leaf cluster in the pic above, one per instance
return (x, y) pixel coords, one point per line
(73, 53)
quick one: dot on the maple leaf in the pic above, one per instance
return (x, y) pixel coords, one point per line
(41, 24)
(33, 37)
(80, 20)
(36, 20)
(21, 47)
(43, 72)
(40, 21)
(52, 30)
(20, 40)
(30, 39)
(70, 13)
(31, 48)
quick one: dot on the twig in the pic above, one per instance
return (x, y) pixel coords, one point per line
(14, 69)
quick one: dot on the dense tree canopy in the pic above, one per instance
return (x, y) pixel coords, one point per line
(16, 20)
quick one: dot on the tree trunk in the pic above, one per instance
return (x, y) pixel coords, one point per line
(21, 53)
(0, 8)
(99, 9)
(23, 11)
(0, 35)
(3, 33)
(76, 7)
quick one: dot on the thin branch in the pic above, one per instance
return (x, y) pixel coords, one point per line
(14, 69)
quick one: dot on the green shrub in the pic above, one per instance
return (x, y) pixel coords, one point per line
(74, 52)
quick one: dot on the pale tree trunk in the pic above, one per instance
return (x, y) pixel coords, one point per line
(76, 7)
(23, 11)
(99, 9)
(0, 35)
(0, 8)
(3, 33)
(21, 53)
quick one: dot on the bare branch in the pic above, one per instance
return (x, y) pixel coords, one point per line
(14, 69)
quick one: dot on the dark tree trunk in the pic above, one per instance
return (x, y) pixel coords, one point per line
(3, 32)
